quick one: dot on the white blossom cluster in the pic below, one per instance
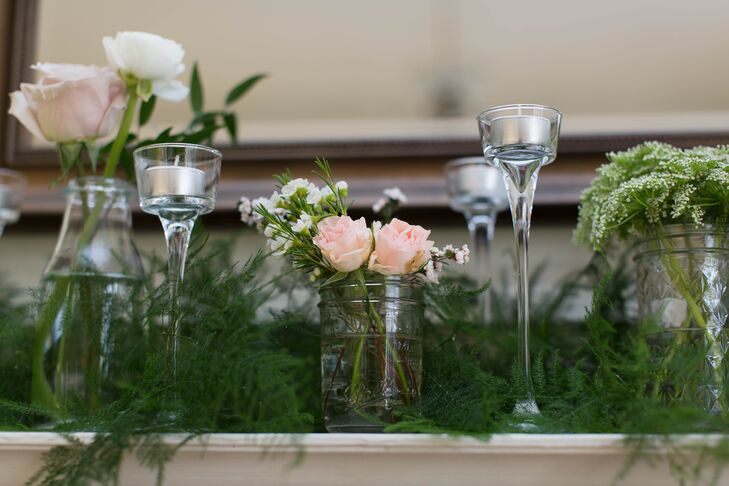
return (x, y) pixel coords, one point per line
(291, 212)
(441, 256)
(393, 197)
(653, 184)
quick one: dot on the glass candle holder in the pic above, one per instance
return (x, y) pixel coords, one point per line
(177, 182)
(12, 191)
(519, 140)
(476, 190)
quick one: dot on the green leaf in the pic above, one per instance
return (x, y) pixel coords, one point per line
(196, 91)
(200, 135)
(241, 89)
(204, 119)
(145, 111)
(231, 123)
(164, 136)
(93, 151)
(335, 278)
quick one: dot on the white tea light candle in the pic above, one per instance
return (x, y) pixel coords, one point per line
(477, 179)
(173, 180)
(6, 197)
(508, 130)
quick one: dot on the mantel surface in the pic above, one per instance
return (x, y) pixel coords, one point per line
(398, 459)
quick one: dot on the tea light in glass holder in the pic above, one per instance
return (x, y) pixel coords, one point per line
(520, 139)
(476, 189)
(178, 183)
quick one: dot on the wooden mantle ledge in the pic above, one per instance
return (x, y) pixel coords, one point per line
(353, 459)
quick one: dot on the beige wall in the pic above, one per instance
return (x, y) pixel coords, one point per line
(333, 62)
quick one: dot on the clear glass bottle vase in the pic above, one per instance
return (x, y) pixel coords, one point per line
(371, 351)
(88, 326)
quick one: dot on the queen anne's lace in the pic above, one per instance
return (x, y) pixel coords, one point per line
(654, 183)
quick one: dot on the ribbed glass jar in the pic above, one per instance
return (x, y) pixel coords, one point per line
(683, 283)
(371, 343)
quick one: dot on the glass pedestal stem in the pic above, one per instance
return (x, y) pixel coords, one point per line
(521, 182)
(177, 234)
(481, 229)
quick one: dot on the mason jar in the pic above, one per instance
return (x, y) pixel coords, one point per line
(371, 351)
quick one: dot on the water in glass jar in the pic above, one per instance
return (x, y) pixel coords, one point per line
(94, 337)
(362, 378)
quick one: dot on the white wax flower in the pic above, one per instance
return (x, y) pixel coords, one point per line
(299, 185)
(245, 209)
(262, 201)
(303, 223)
(430, 273)
(378, 205)
(269, 231)
(279, 245)
(326, 193)
(149, 57)
(341, 186)
(395, 194)
(314, 196)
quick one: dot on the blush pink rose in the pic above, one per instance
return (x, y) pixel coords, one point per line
(70, 102)
(400, 248)
(346, 244)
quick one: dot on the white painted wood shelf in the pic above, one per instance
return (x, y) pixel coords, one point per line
(370, 459)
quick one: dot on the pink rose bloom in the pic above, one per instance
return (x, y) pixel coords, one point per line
(70, 103)
(400, 248)
(346, 244)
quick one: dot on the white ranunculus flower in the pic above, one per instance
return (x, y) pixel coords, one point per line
(149, 57)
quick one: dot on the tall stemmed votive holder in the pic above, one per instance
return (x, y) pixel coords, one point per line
(12, 190)
(519, 140)
(476, 190)
(177, 182)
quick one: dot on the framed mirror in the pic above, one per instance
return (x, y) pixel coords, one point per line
(397, 85)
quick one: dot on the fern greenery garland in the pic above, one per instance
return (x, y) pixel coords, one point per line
(243, 368)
